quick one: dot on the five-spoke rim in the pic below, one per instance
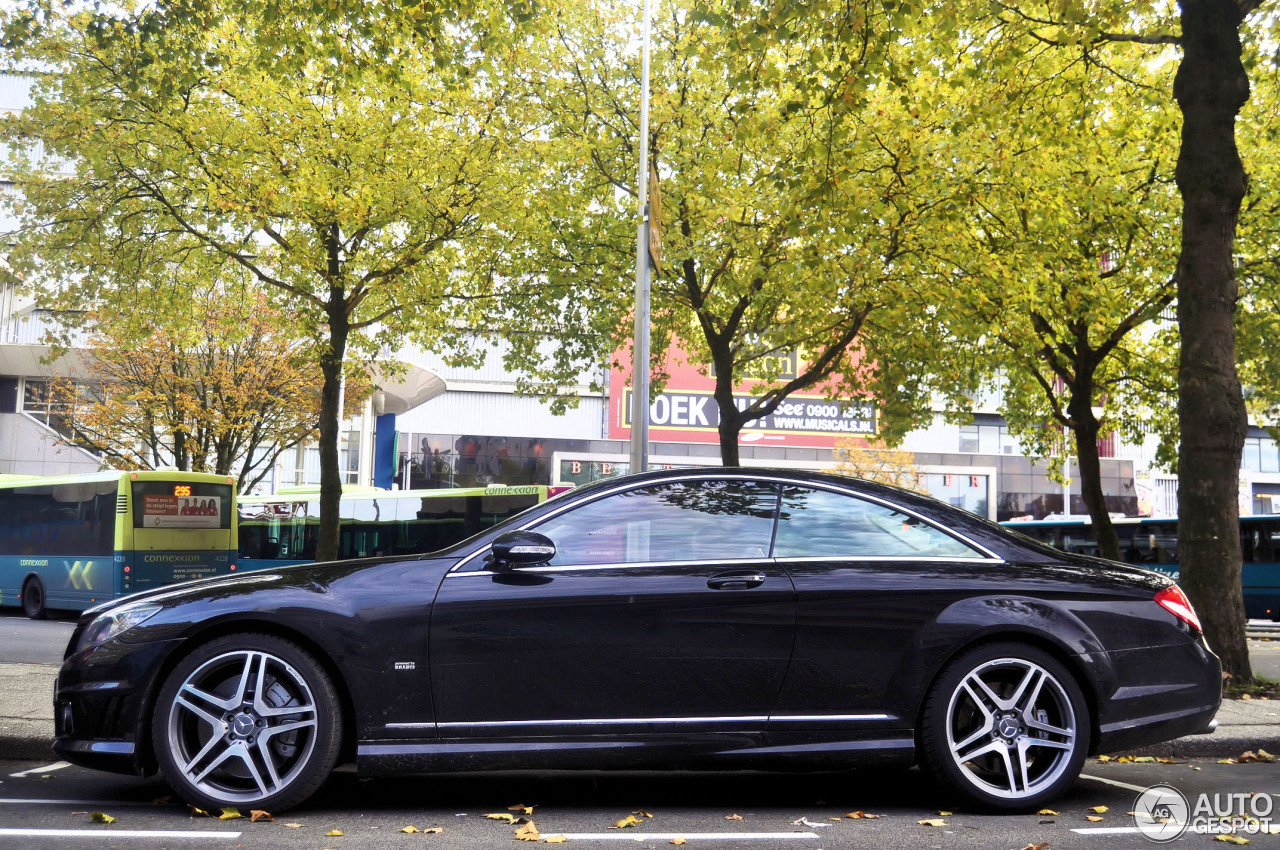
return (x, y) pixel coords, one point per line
(1011, 728)
(242, 726)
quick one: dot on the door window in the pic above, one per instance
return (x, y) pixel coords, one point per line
(673, 521)
(821, 523)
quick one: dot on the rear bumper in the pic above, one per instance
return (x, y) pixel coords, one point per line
(1167, 692)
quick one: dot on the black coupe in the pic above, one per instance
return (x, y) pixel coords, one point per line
(725, 618)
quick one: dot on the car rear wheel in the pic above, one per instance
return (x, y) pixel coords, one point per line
(247, 720)
(33, 599)
(1007, 726)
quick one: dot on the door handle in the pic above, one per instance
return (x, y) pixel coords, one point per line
(723, 580)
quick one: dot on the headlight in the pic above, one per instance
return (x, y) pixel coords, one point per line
(115, 622)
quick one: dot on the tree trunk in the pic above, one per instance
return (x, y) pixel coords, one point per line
(730, 420)
(1211, 86)
(1086, 434)
(330, 424)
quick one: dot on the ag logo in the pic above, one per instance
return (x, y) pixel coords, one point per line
(1161, 813)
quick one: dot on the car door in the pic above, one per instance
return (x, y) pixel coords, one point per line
(661, 611)
(868, 577)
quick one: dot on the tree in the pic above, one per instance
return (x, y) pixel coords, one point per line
(345, 188)
(878, 462)
(792, 204)
(221, 386)
(1210, 87)
(1060, 256)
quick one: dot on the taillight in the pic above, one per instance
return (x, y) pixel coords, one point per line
(1173, 600)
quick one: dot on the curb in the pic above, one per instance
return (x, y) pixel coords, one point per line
(25, 747)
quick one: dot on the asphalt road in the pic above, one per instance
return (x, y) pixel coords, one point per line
(37, 808)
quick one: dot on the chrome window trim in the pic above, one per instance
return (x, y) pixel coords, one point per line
(745, 563)
(613, 721)
(991, 557)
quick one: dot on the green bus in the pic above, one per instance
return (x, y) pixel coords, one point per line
(281, 530)
(70, 542)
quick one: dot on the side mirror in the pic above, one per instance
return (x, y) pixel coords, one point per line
(522, 549)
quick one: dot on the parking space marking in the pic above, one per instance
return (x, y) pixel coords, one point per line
(1124, 785)
(688, 836)
(48, 768)
(45, 801)
(109, 833)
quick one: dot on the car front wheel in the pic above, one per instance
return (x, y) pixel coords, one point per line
(247, 720)
(1007, 726)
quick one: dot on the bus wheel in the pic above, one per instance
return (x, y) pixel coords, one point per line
(33, 599)
(247, 720)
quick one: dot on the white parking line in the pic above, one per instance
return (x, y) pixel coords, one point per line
(629, 835)
(45, 801)
(112, 834)
(1125, 785)
(48, 768)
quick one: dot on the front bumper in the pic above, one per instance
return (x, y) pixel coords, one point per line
(101, 705)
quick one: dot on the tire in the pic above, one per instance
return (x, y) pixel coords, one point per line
(247, 720)
(1007, 726)
(33, 599)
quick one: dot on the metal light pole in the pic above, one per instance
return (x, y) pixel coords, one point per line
(640, 345)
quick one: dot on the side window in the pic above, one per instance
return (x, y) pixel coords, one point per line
(820, 523)
(675, 521)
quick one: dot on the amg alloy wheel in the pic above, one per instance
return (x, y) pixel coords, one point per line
(1007, 726)
(247, 720)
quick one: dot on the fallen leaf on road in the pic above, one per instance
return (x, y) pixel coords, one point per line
(1250, 756)
(228, 813)
(556, 839)
(1049, 813)
(1094, 818)
(199, 813)
(1098, 810)
(642, 813)
(1226, 761)
(256, 815)
(101, 817)
(944, 814)
(528, 832)
(521, 807)
(293, 826)
(932, 822)
(502, 816)
(809, 823)
(627, 822)
(1043, 845)
(410, 829)
(678, 840)
(333, 833)
(733, 817)
(1105, 759)
(1231, 839)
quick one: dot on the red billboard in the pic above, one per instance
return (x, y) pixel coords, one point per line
(686, 412)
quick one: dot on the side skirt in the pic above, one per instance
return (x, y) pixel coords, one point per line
(716, 751)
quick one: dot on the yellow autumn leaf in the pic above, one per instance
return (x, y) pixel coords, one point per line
(101, 817)
(256, 815)
(199, 813)
(433, 830)
(1144, 760)
(293, 826)
(229, 813)
(333, 833)
(1049, 813)
(1094, 818)
(642, 813)
(944, 814)
(502, 816)
(679, 840)
(1098, 810)
(522, 808)
(627, 822)
(1105, 759)
(410, 829)
(555, 839)
(932, 822)
(733, 817)
(1226, 761)
(1231, 839)
(528, 832)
